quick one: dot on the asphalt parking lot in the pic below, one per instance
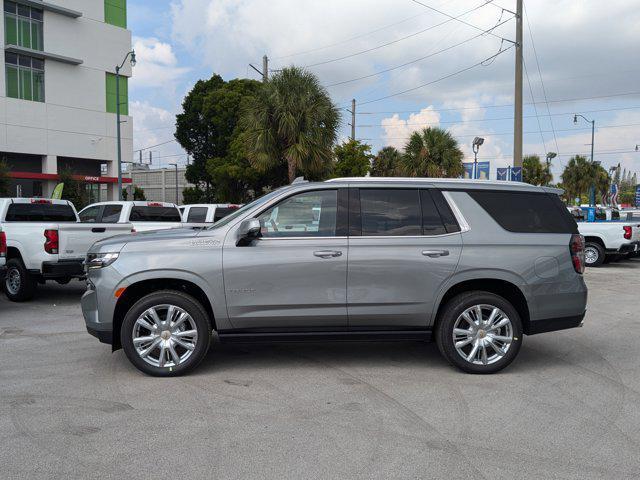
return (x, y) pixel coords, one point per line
(569, 406)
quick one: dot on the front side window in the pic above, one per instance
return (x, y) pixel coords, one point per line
(90, 214)
(112, 94)
(308, 214)
(389, 211)
(23, 26)
(111, 214)
(24, 77)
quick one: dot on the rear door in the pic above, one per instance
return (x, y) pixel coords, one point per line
(404, 244)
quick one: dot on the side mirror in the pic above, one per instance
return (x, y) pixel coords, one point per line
(249, 230)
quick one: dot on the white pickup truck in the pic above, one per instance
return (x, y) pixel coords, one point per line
(206, 212)
(607, 240)
(45, 241)
(144, 216)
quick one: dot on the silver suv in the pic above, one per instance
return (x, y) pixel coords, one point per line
(471, 264)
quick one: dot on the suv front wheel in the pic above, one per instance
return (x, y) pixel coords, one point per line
(479, 332)
(166, 333)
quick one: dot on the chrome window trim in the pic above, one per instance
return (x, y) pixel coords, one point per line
(301, 238)
(464, 225)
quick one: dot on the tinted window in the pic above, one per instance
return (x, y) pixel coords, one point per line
(197, 215)
(154, 214)
(447, 216)
(40, 212)
(431, 221)
(89, 215)
(390, 212)
(308, 214)
(222, 212)
(525, 212)
(111, 213)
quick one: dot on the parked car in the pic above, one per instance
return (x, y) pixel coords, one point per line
(609, 240)
(144, 216)
(207, 212)
(471, 264)
(45, 241)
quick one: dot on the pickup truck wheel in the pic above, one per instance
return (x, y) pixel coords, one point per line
(166, 333)
(479, 332)
(19, 284)
(593, 254)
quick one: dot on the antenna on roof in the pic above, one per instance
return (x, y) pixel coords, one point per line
(299, 180)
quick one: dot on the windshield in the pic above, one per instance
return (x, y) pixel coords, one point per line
(257, 202)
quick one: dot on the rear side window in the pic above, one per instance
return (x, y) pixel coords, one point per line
(525, 212)
(222, 212)
(197, 214)
(111, 214)
(390, 212)
(154, 214)
(40, 212)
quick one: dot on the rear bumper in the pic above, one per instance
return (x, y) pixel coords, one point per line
(629, 247)
(63, 268)
(552, 324)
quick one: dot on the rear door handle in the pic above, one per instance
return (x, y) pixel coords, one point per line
(98, 230)
(327, 253)
(435, 253)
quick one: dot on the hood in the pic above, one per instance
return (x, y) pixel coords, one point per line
(117, 242)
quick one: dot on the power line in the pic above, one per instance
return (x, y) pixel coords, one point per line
(575, 99)
(483, 62)
(535, 108)
(417, 59)
(398, 39)
(157, 145)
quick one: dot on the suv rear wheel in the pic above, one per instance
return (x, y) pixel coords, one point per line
(479, 332)
(19, 284)
(166, 333)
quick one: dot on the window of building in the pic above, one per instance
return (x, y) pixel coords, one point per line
(23, 26)
(308, 214)
(115, 12)
(24, 77)
(111, 94)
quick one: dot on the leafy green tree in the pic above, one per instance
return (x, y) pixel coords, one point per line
(432, 152)
(535, 172)
(207, 126)
(192, 195)
(291, 120)
(386, 163)
(73, 190)
(138, 194)
(5, 180)
(353, 159)
(578, 176)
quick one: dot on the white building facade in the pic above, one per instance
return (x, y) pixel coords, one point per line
(57, 94)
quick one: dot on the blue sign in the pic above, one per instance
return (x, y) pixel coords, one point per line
(637, 196)
(516, 174)
(482, 170)
(468, 170)
(502, 173)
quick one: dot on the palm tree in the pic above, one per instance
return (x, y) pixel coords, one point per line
(386, 163)
(433, 152)
(534, 172)
(291, 120)
(580, 174)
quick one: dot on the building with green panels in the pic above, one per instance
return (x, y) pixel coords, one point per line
(58, 92)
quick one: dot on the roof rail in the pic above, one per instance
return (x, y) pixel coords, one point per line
(299, 180)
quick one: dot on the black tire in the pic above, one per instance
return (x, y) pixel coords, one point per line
(454, 309)
(19, 285)
(183, 301)
(598, 254)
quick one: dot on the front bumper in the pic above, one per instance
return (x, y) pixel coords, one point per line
(89, 304)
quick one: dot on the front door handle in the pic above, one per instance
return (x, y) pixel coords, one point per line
(98, 229)
(435, 253)
(327, 253)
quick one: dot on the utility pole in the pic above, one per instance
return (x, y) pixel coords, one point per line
(177, 195)
(517, 110)
(353, 118)
(265, 69)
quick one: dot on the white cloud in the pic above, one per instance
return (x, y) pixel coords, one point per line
(157, 65)
(153, 126)
(397, 130)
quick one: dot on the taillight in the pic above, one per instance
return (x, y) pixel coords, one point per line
(3, 244)
(154, 204)
(576, 247)
(41, 201)
(51, 242)
(627, 232)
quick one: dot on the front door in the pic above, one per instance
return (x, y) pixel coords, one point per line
(293, 277)
(400, 253)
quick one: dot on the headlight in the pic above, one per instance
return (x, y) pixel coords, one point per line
(100, 260)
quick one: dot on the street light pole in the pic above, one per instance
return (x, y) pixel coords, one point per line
(477, 141)
(176, 165)
(592, 189)
(118, 135)
(550, 156)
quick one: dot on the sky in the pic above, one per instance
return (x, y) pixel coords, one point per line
(408, 66)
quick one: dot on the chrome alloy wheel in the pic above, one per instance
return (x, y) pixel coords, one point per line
(482, 334)
(13, 281)
(165, 336)
(591, 255)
